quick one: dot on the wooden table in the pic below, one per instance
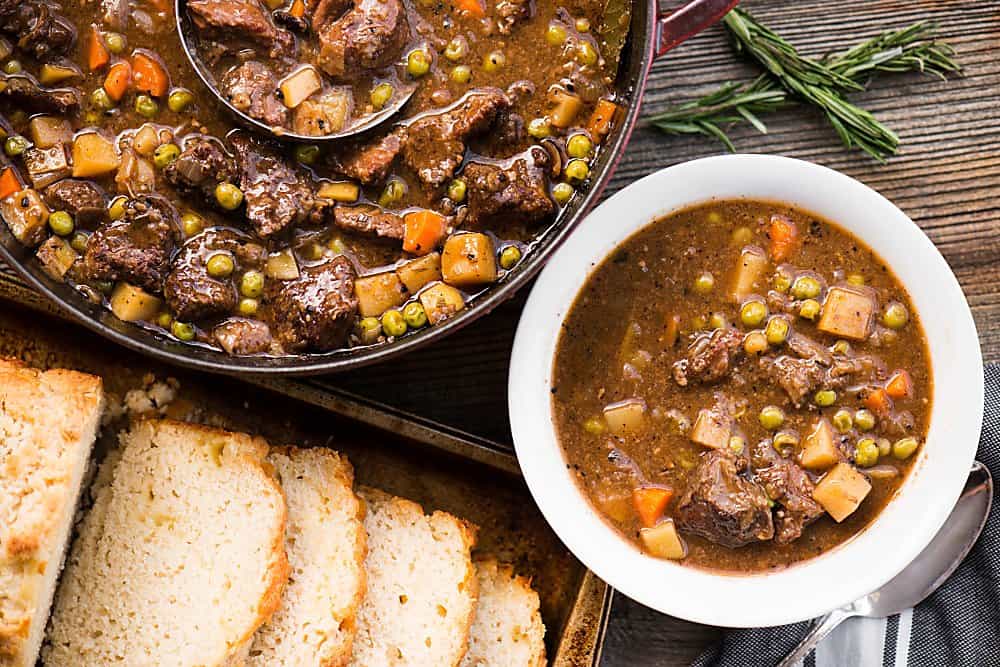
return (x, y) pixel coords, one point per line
(947, 178)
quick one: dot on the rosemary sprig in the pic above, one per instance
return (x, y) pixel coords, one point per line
(822, 83)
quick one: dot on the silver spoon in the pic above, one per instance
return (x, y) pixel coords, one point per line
(925, 574)
(184, 29)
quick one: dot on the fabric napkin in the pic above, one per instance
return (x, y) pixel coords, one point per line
(957, 626)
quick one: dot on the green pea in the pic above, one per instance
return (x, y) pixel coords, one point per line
(855, 279)
(782, 282)
(252, 284)
(369, 329)
(61, 223)
(783, 442)
(15, 145)
(115, 41)
(146, 106)
(248, 306)
(555, 34)
(865, 419)
(740, 236)
(903, 448)
(866, 453)
(179, 100)
(577, 170)
(842, 421)
(12, 67)
(414, 315)
(562, 193)
(165, 319)
(165, 154)
(494, 61)
(307, 153)
(824, 398)
(704, 283)
(116, 209)
(586, 53)
(539, 128)
(753, 313)
(583, 24)
(192, 224)
(393, 193)
(884, 447)
(461, 73)
(595, 426)
(228, 196)
(456, 49)
(182, 330)
(381, 94)
(776, 330)
(418, 62)
(103, 286)
(806, 287)
(737, 444)
(100, 99)
(699, 322)
(79, 242)
(509, 257)
(457, 190)
(579, 145)
(896, 316)
(809, 309)
(220, 265)
(841, 347)
(771, 417)
(393, 323)
(717, 321)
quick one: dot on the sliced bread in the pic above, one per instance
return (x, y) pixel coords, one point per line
(421, 594)
(180, 560)
(48, 424)
(325, 543)
(508, 630)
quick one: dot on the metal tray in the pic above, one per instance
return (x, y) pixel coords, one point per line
(415, 458)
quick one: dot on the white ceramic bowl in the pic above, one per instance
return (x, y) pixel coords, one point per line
(840, 575)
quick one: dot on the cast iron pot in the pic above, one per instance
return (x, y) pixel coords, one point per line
(651, 35)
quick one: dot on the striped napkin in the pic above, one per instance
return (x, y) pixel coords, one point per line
(958, 626)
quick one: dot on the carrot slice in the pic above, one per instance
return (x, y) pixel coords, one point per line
(9, 182)
(298, 9)
(784, 238)
(900, 385)
(424, 231)
(650, 503)
(473, 8)
(600, 120)
(149, 75)
(117, 82)
(877, 400)
(97, 53)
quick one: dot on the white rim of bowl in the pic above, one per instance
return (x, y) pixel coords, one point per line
(904, 527)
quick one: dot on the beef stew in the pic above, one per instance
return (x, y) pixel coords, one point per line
(741, 386)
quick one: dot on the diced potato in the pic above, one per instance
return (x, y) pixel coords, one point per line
(751, 266)
(56, 257)
(132, 304)
(847, 313)
(52, 74)
(841, 491)
(26, 216)
(45, 166)
(136, 174)
(379, 292)
(93, 155)
(469, 260)
(624, 417)
(146, 140)
(819, 451)
(342, 191)
(299, 85)
(441, 301)
(565, 108)
(282, 266)
(712, 429)
(663, 541)
(49, 131)
(322, 116)
(421, 271)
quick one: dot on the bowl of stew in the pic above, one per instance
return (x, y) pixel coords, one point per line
(747, 391)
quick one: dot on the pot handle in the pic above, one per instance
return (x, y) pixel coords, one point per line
(675, 27)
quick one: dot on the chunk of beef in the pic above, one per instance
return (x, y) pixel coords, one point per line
(513, 194)
(323, 12)
(721, 505)
(807, 348)
(510, 12)
(243, 336)
(201, 166)
(798, 377)
(369, 220)
(83, 200)
(787, 484)
(40, 28)
(191, 293)
(316, 310)
(370, 163)
(135, 248)
(277, 195)
(247, 18)
(368, 37)
(709, 357)
(252, 88)
(435, 144)
(510, 129)
(25, 93)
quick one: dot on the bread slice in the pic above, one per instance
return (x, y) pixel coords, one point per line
(421, 586)
(180, 560)
(508, 630)
(48, 424)
(325, 543)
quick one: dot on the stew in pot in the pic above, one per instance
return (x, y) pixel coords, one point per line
(741, 386)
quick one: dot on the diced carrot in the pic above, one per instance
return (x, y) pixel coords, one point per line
(600, 120)
(900, 385)
(118, 79)
(424, 231)
(9, 182)
(877, 400)
(97, 53)
(473, 8)
(298, 9)
(784, 238)
(149, 75)
(650, 503)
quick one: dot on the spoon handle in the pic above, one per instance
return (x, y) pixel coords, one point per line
(824, 625)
